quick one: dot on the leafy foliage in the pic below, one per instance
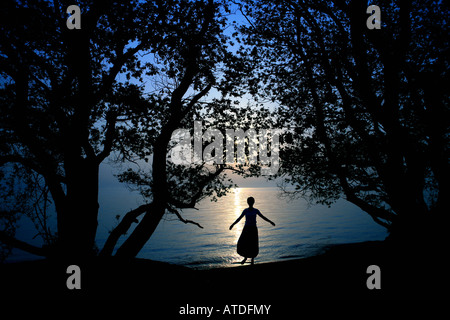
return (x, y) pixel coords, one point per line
(365, 108)
(135, 71)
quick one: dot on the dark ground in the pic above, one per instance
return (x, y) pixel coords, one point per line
(338, 274)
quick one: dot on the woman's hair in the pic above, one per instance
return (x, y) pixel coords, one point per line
(251, 201)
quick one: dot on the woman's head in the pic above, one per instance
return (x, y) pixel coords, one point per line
(251, 201)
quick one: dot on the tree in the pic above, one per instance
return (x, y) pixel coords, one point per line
(57, 117)
(72, 97)
(194, 61)
(367, 110)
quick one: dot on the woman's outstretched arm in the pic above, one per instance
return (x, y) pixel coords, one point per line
(237, 220)
(266, 219)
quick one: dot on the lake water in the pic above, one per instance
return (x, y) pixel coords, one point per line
(300, 230)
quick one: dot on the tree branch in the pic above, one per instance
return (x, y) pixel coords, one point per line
(122, 228)
(191, 203)
(115, 69)
(109, 137)
(375, 213)
(197, 97)
(19, 244)
(181, 218)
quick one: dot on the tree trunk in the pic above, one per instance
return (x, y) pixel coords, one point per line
(151, 219)
(77, 219)
(77, 223)
(122, 228)
(143, 232)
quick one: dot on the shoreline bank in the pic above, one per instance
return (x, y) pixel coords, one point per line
(339, 273)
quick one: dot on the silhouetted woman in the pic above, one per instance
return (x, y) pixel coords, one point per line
(248, 245)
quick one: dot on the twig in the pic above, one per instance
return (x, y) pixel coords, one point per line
(182, 219)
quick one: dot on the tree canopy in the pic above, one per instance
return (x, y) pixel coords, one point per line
(120, 85)
(367, 109)
(364, 112)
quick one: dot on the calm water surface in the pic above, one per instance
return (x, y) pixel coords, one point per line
(300, 231)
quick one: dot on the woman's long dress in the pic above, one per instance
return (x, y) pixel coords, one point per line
(248, 243)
